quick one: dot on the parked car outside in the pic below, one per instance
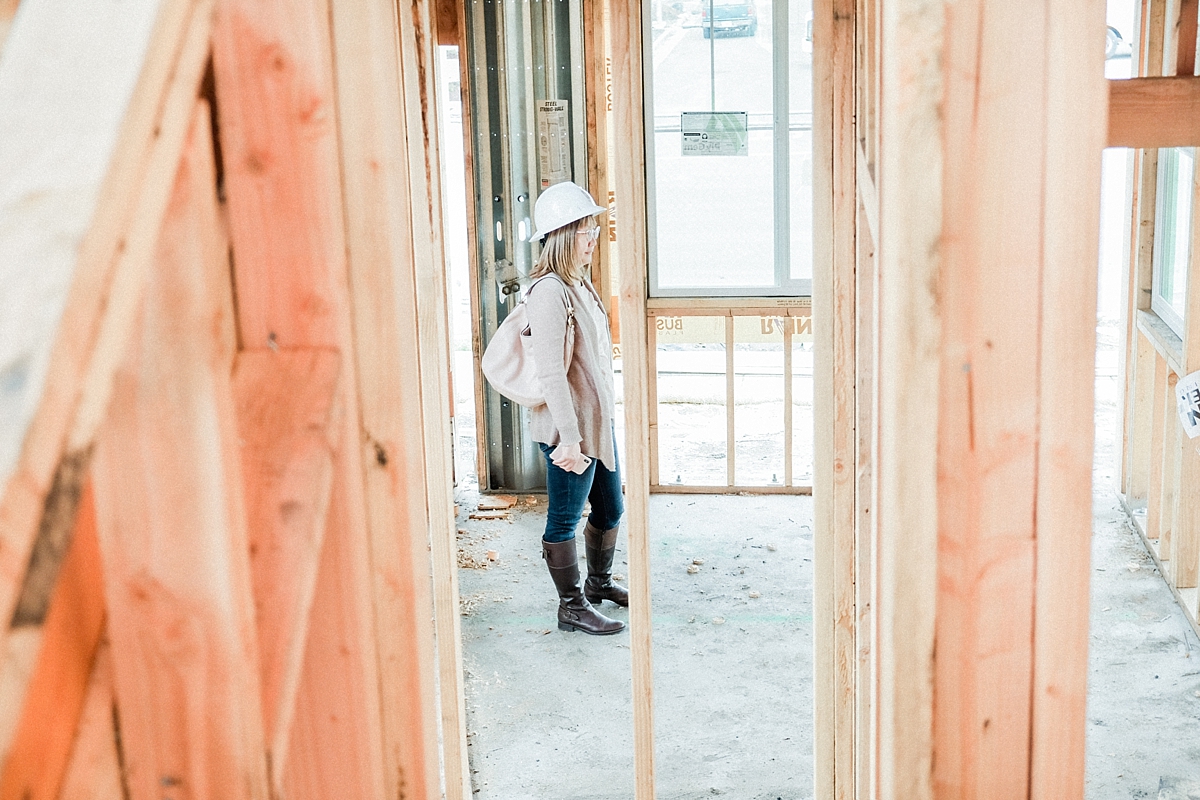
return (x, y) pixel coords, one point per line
(729, 16)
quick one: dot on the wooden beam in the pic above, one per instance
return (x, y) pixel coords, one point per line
(85, 169)
(629, 128)
(398, 287)
(171, 520)
(35, 766)
(287, 430)
(94, 771)
(1154, 112)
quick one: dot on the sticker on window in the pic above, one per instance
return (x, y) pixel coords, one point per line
(714, 133)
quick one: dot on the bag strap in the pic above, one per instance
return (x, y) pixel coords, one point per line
(566, 294)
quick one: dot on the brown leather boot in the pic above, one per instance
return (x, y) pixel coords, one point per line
(601, 547)
(575, 613)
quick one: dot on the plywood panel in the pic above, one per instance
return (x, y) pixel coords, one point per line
(171, 520)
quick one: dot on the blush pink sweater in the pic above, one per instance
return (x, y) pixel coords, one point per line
(580, 400)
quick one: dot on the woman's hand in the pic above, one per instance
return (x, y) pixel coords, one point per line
(569, 457)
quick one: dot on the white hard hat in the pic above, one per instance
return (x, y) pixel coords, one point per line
(562, 204)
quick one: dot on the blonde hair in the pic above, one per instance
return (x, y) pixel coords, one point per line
(560, 253)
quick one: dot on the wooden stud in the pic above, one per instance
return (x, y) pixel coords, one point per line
(652, 400)
(33, 769)
(94, 770)
(789, 433)
(171, 521)
(399, 289)
(287, 430)
(1158, 427)
(1185, 38)
(482, 465)
(864, 528)
(1075, 101)
(730, 407)
(1142, 422)
(1171, 453)
(1185, 538)
(595, 65)
(988, 426)
(910, 166)
(280, 125)
(834, 212)
(95, 176)
(629, 167)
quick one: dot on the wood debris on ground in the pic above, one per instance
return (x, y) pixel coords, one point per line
(498, 502)
(485, 515)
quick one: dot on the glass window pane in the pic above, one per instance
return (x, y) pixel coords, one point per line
(1173, 229)
(691, 401)
(758, 400)
(714, 176)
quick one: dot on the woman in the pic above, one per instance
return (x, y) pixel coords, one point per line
(575, 426)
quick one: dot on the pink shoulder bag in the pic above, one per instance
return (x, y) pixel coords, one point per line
(508, 361)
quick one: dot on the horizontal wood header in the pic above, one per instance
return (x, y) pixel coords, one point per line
(1154, 112)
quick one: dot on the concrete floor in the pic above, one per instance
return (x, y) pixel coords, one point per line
(549, 712)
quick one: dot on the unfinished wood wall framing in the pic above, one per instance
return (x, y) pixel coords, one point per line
(1159, 464)
(244, 360)
(955, 131)
(226, 488)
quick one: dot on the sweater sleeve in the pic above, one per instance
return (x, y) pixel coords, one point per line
(546, 307)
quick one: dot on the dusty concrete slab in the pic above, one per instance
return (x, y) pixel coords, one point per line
(550, 712)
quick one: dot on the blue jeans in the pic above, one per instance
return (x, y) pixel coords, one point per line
(566, 493)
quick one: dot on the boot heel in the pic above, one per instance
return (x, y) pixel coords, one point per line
(562, 626)
(594, 600)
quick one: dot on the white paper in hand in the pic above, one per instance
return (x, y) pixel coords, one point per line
(1187, 395)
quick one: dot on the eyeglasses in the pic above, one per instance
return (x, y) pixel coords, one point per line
(592, 233)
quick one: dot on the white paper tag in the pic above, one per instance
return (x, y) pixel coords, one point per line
(1187, 395)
